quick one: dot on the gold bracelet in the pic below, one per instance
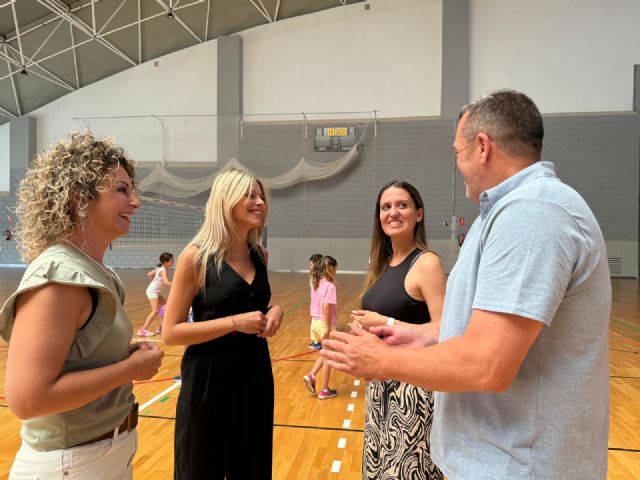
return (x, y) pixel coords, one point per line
(235, 327)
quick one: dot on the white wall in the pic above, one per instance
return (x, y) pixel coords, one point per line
(184, 83)
(575, 56)
(348, 59)
(342, 59)
(5, 165)
(569, 56)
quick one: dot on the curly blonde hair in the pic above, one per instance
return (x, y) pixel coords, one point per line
(54, 195)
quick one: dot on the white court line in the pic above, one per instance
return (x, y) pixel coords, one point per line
(356, 383)
(160, 395)
(354, 394)
(342, 443)
(350, 407)
(335, 466)
(346, 423)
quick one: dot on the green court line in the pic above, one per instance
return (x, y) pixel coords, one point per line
(164, 399)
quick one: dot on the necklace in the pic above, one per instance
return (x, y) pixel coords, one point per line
(234, 257)
(100, 265)
(237, 255)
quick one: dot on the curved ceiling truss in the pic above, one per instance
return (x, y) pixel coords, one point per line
(49, 48)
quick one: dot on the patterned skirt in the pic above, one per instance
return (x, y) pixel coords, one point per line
(396, 433)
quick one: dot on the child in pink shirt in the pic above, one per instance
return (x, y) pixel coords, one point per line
(323, 318)
(315, 274)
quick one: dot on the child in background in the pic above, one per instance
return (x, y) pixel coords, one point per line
(314, 276)
(323, 318)
(157, 293)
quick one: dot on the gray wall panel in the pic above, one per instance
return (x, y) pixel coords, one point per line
(598, 155)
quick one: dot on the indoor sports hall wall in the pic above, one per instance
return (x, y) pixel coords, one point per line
(385, 58)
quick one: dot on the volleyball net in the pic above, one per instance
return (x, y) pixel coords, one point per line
(162, 223)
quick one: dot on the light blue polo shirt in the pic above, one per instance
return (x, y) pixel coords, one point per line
(536, 250)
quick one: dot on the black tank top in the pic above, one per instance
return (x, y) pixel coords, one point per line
(388, 296)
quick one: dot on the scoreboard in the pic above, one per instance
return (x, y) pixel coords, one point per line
(335, 139)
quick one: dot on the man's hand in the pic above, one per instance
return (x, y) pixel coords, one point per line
(359, 353)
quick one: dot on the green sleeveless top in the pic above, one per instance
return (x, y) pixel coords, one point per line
(104, 340)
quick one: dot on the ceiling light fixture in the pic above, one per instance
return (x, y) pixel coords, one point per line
(24, 71)
(170, 13)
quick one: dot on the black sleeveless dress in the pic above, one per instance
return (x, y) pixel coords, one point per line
(224, 415)
(398, 416)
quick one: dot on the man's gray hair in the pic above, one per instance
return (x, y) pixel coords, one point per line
(510, 118)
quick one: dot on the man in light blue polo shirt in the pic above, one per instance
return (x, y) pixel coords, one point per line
(521, 363)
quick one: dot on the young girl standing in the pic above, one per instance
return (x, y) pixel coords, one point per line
(315, 274)
(323, 318)
(157, 293)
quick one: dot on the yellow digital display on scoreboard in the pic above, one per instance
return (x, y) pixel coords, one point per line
(337, 131)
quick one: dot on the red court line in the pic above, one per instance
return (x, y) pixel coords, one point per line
(293, 356)
(156, 380)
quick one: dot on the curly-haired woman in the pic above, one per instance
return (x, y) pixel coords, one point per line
(70, 364)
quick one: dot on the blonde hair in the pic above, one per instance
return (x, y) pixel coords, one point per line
(54, 195)
(219, 229)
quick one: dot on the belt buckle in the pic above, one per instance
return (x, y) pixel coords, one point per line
(127, 423)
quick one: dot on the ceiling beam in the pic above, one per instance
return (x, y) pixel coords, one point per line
(15, 21)
(263, 11)
(75, 59)
(13, 83)
(111, 17)
(53, 30)
(139, 33)
(8, 113)
(52, 77)
(93, 18)
(170, 12)
(206, 25)
(38, 24)
(58, 8)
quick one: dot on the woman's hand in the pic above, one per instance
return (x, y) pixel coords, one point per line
(274, 320)
(146, 358)
(367, 319)
(250, 322)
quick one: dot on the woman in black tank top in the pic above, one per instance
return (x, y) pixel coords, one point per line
(225, 405)
(405, 282)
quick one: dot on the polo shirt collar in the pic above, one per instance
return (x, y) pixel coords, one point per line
(490, 197)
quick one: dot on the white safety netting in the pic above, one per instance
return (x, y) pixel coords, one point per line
(166, 183)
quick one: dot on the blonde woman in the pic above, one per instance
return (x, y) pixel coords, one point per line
(224, 416)
(70, 364)
(405, 283)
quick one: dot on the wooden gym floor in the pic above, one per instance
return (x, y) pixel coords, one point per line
(316, 439)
